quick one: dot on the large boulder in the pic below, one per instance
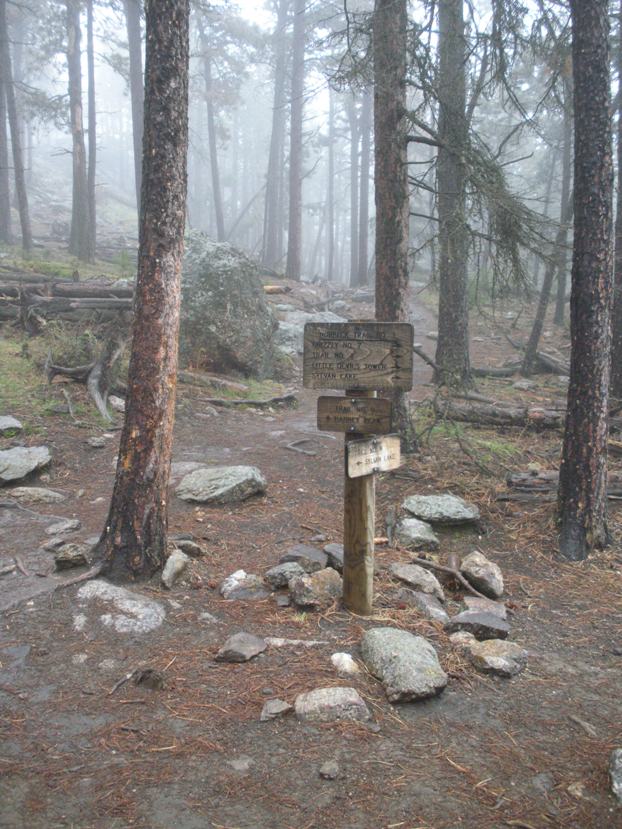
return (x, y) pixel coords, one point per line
(441, 509)
(221, 484)
(20, 461)
(290, 333)
(226, 323)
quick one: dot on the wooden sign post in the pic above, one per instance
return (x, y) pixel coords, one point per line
(360, 358)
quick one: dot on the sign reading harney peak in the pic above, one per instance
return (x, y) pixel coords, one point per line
(364, 457)
(358, 355)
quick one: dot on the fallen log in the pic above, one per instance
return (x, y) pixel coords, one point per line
(532, 486)
(486, 414)
(192, 378)
(287, 399)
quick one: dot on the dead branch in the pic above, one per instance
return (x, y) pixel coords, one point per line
(422, 562)
(192, 378)
(287, 399)
(426, 359)
(295, 446)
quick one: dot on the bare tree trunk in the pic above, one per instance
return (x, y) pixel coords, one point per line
(134, 43)
(133, 543)
(551, 160)
(5, 189)
(211, 134)
(79, 243)
(452, 350)
(366, 125)
(391, 180)
(354, 188)
(92, 122)
(18, 161)
(616, 348)
(583, 472)
(330, 191)
(294, 235)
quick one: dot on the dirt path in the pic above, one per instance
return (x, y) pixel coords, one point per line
(528, 752)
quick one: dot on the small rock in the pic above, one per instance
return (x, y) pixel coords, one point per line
(209, 618)
(486, 606)
(497, 657)
(419, 578)
(275, 708)
(149, 678)
(407, 665)
(309, 558)
(68, 525)
(117, 403)
(243, 585)
(280, 575)
(241, 764)
(318, 537)
(96, 442)
(543, 782)
(20, 461)
(334, 554)
(329, 770)
(56, 542)
(36, 495)
(523, 385)
(483, 574)
(481, 625)
(71, 555)
(462, 640)
(175, 565)
(615, 773)
(344, 664)
(432, 335)
(241, 647)
(441, 509)
(317, 590)
(9, 426)
(416, 535)
(190, 548)
(221, 484)
(331, 704)
(429, 605)
(283, 600)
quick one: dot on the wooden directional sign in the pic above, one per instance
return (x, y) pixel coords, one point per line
(358, 355)
(366, 415)
(364, 457)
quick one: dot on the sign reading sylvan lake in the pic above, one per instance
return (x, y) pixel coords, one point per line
(364, 457)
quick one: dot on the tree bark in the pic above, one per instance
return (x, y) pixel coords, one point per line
(18, 161)
(5, 189)
(211, 135)
(79, 242)
(92, 130)
(294, 236)
(452, 350)
(134, 45)
(133, 543)
(583, 471)
(391, 181)
(366, 124)
(616, 348)
(354, 188)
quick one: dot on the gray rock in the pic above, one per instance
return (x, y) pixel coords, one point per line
(117, 403)
(485, 606)
(497, 657)
(427, 604)
(190, 548)
(283, 600)
(175, 565)
(441, 509)
(275, 708)
(36, 495)
(280, 575)
(96, 442)
(126, 611)
(344, 664)
(330, 705)
(483, 574)
(241, 764)
(221, 484)
(290, 333)
(523, 385)
(226, 323)
(9, 426)
(334, 555)
(71, 555)
(67, 525)
(243, 585)
(481, 625)
(407, 665)
(416, 535)
(309, 558)
(615, 773)
(462, 640)
(316, 590)
(419, 578)
(21, 461)
(241, 647)
(329, 770)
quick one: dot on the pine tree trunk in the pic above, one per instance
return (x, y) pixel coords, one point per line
(366, 124)
(330, 191)
(92, 121)
(16, 144)
(616, 348)
(79, 243)
(354, 188)
(583, 472)
(391, 180)
(294, 233)
(133, 543)
(134, 43)
(5, 189)
(211, 136)
(452, 350)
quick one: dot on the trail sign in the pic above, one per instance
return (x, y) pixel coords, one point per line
(364, 415)
(358, 355)
(364, 457)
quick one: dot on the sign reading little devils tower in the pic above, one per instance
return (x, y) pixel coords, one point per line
(360, 358)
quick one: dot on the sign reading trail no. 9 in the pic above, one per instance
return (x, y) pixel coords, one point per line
(358, 355)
